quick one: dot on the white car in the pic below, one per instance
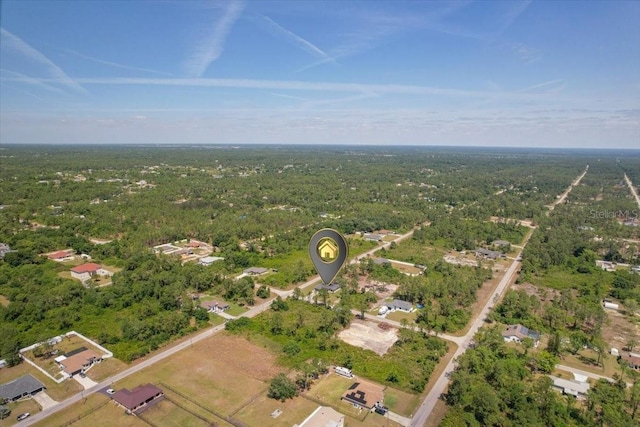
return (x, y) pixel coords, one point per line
(23, 416)
(111, 391)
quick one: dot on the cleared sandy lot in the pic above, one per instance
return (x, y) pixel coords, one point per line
(369, 336)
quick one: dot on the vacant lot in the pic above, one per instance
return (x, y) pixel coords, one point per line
(220, 374)
(168, 414)
(369, 336)
(258, 412)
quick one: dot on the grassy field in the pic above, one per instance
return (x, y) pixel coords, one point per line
(220, 373)
(106, 368)
(258, 412)
(83, 408)
(18, 408)
(169, 414)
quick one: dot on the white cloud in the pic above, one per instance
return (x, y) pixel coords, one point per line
(210, 44)
(14, 43)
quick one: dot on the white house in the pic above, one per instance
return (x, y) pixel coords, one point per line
(517, 333)
(86, 271)
(208, 260)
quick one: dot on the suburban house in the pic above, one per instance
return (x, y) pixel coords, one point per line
(79, 360)
(324, 416)
(60, 256)
(255, 271)
(489, 254)
(500, 243)
(25, 386)
(517, 333)
(133, 400)
(86, 271)
(633, 359)
(397, 304)
(214, 306)
(208, 260)
(363, 395)
(330, 288)
(373, 237)
(577, 388)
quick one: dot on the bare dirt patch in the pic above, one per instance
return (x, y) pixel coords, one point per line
(4, 301)
(618, 329)
(369, 336)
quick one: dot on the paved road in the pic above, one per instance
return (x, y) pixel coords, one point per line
(425, 409)
(633, 189)
(254, 311)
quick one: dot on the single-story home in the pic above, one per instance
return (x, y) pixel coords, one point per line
(500, 243)
(373, 237)
(73, 363)
(633, 359)
(140, 396)
(255, 271)
(364, 394)
(208, 260)
(397, 304)
(517, 333)
(331, 288)
(214, 306)
(25, 386)
(59, 256)
(572, 387)
(86, 271)
(489, 254)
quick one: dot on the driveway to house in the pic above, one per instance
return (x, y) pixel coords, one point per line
(85, 382)
(44, 400)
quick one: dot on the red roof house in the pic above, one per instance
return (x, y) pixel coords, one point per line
(138, 397)
(59, 255)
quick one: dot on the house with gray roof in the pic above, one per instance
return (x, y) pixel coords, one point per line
(489, 254)
(25, 386)
(397, 304)
(331, 288)
(517, 333)
(255, 271)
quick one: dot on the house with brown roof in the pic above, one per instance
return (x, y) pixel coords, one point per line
(632, 359)
(73, 363)
(60, 256)
(139, 397)
(364, 395)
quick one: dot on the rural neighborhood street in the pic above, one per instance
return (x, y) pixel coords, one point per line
(633, 189)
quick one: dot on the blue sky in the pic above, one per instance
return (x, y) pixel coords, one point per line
(498, 73)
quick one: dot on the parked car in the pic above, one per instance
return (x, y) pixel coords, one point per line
(23, 416)
(83, 375)
(111, 391)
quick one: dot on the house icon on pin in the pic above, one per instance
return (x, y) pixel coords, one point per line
(328, 250)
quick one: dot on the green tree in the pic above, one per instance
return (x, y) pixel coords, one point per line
(282, 388)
